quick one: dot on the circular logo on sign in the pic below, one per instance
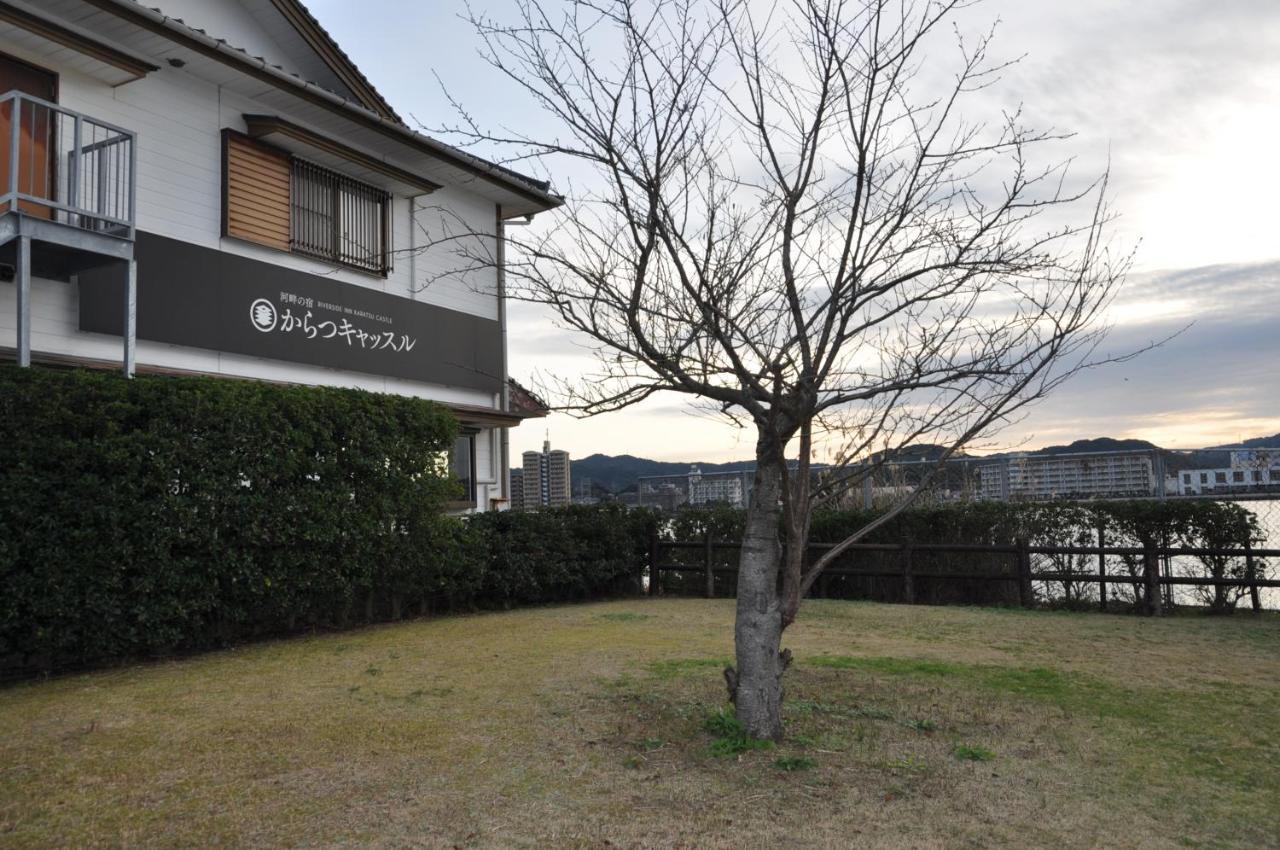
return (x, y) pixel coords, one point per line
(263, 315)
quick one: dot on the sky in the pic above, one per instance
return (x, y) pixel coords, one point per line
(1180, 97)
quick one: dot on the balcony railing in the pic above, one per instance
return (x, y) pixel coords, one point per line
(63, 166)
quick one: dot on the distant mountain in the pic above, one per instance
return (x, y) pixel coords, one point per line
(1217, 457)
(1098, 444)
(1174, 461)
(1272, 442)
(618, 473)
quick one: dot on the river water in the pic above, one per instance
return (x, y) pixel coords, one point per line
(1267, 512)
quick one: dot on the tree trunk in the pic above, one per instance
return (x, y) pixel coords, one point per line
(1220, 604)
(756, 685)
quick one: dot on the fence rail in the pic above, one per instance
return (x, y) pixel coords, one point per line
(1019, 554)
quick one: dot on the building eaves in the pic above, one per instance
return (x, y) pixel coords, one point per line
(525, 401)
(311, 29)
(535, 190)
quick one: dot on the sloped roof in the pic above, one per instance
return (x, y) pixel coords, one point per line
(533, 191)
(334, 56)
(525, 401)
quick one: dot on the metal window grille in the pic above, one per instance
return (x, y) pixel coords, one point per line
(339, 219)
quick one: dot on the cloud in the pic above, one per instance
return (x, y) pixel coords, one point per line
(1226, 291)
(1181, 97)
(1216, 380)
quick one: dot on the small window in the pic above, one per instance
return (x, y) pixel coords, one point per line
(339, 219)
(276, 199)
(1238, 476)
(1220, 477)
(462, 463)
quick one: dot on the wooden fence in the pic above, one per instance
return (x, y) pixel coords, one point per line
(1019, 558)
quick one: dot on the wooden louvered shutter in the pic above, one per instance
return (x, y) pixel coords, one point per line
(257, 192)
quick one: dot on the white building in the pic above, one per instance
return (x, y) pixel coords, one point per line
(214, 188)
(1075, 475)
(697, 488)
(1250, 469)
(717, 488)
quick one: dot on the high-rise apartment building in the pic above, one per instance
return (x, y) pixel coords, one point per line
(1075, 475)
(517, 489)
(545, 477)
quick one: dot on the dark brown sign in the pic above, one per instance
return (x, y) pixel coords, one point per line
(201, 297)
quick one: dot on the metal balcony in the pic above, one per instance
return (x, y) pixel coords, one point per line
(71, 168)
(69, 184)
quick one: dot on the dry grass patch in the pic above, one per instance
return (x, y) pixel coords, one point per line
(598, 726)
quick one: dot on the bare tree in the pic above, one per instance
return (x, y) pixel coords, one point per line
(780, 211)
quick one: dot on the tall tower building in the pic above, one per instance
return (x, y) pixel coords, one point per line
(517, 489)
(546, 478)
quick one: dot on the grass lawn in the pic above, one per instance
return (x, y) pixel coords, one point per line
(587, 726)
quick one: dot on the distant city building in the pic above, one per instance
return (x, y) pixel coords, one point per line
(856, 487)
(695, 488)
(585, 493)
(517, 489)
(1250, 469)
(546, 481)
(1087, 475)
(727, 488)
(664, 492)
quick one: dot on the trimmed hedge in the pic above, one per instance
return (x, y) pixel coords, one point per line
(144, 517)
(139, 518)
(158, 514)
(561, 555)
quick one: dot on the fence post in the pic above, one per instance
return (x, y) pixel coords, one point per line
(908, 580)
(706, 564)
(1102, 562)
(1251, 572)
(1026, 593)
(1151, 577)
(653, 559)
(1166, 570)
(640, 564)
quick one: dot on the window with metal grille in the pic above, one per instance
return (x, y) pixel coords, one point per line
(339, 219)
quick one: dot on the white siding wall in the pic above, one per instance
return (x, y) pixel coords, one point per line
(489, 477)
(484, 457)
(484, 469)
(446, 272)
(178, 119)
